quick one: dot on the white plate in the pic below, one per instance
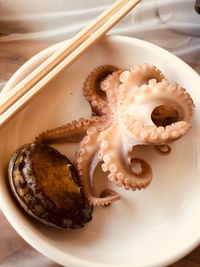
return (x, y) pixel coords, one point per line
(153, 227)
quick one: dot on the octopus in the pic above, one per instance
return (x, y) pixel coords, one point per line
(130, 108)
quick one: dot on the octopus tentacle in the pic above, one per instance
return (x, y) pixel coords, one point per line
(111, 87)
(86, 161)
(154, 95)
(138, 76)
(92, 90)
(166, 92)
(163, 149)
(121, 170)
(71, 132)
(156, 135)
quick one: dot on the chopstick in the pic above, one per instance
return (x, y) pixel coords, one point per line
(19, 100)
(22, 87)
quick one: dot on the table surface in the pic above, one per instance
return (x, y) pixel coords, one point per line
(14, 251)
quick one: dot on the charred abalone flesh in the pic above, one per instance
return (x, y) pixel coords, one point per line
(47, 186)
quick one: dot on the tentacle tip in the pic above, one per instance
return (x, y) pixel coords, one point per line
(163, 149)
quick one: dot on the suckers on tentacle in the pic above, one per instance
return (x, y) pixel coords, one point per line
(89, 147)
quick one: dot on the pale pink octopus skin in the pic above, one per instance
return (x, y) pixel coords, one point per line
(123, 121)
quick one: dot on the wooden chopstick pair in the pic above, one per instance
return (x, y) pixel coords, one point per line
(24, 91)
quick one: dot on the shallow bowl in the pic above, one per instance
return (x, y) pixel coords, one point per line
(152, 227)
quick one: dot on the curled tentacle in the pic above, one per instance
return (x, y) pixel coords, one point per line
(92, 88)
(139, 121)
(138, 76)
(86, 161)
(153, 135)
(163, 149)
(71, 132)
(119, 165)
(168, 94)
(111, 87)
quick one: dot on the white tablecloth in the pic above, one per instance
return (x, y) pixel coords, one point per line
(174, 25)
